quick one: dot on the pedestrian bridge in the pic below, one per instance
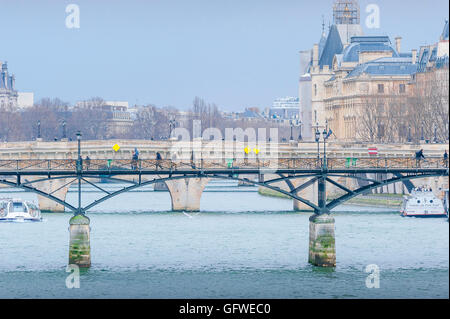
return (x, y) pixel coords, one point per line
(186, 180)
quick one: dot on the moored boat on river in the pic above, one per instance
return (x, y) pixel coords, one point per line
(422, 203)
(18, 210)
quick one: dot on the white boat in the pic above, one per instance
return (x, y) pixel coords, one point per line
(422, 203)
(18, 210)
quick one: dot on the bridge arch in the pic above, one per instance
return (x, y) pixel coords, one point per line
(351, 194)
(39, 192)
(292, 193)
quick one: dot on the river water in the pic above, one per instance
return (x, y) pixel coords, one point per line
(241, 245)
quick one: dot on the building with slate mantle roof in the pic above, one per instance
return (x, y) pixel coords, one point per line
(354, 74)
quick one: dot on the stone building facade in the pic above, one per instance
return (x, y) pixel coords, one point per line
(8, 93)
(360, 85)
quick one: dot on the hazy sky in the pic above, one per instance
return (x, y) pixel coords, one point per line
(236, 53)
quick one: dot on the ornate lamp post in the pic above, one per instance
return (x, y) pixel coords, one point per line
(39, 129)
(79, 170)
(172, 124)
(325, 137)
(293, 124)
(300, 124)
(435, 134)
(292, 127)
(64, 132)
(317, 136)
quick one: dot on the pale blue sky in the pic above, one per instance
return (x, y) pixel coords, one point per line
(236, 53)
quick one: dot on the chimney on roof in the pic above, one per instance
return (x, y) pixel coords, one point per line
(414, 56)
(316, 55)
(398, 44)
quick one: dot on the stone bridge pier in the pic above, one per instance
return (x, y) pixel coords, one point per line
(186, 193)
(57, 188)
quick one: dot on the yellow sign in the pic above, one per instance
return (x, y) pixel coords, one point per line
(116, 147)
(247, 150)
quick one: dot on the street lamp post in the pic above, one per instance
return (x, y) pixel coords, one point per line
(39, 129)
(300, 124)
(79, 171)
(435, 133)
(171, 127)
(325, 137)
(409, 134)
(317, 136)
(64, 132)
(292, 127)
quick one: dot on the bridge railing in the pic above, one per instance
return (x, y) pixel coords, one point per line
(378, 162)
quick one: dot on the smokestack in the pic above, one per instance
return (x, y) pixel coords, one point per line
(398, 44)
(414, 56)
(316, 55)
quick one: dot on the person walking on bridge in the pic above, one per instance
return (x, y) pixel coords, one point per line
(446, 159)
(419, 157)
(134, 159)
(173, 164)
(88, 162)
(192, 160)
(158, 161)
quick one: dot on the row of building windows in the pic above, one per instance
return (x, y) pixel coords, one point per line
(401, 88)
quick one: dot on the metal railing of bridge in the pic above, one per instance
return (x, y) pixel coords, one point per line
(55, 165)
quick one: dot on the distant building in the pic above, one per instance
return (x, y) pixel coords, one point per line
(285, 108)
(119, 118)
(120, 121)
(252, 113)
(25, 99)
(347, 72)
(10, 98)
(8, 93)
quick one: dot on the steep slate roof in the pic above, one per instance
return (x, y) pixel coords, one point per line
(444, 35)
(424, 58)
(332, 46)
(322, 42)
(385, 66)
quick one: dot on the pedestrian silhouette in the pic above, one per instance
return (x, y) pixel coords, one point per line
(419, 157)
(192, 160)
(88, 162)
(446, 158)
(158, 160)
(134, 159)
